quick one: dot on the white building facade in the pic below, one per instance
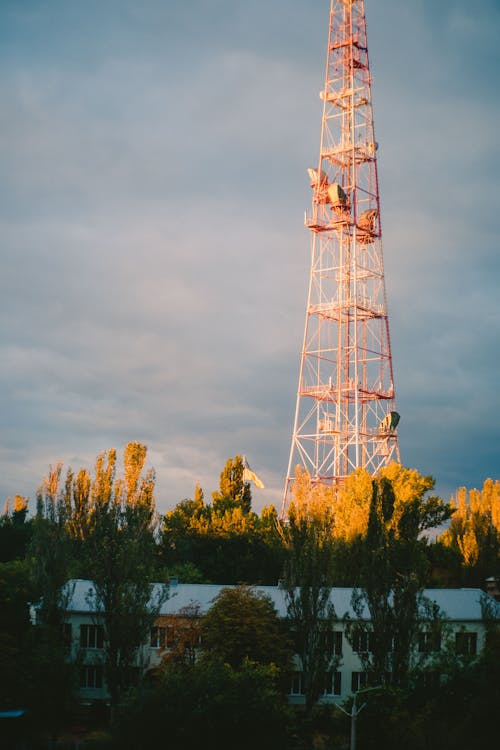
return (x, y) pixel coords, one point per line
(462, 630)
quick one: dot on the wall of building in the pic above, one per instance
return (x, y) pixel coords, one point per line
(83, 630)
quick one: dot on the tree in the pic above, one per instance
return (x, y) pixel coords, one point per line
(15, 530)
(180, 531)
(121, 553)
(15, 593)
(352, 506)
(209, 704)
(243, 624)
(393, 570)
(450, 714)
(50, 551)
(103, 528)
(180, 635)
(233, 492)
(226, 543)
(474, 532)
(50, 554)
(308, 540)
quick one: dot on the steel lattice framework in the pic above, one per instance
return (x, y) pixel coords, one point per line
(345, 414)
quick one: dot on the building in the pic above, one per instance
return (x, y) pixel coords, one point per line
(463, 629)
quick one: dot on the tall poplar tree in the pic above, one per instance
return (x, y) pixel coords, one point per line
(233, 492)
(52, 677)
(309, 569)
(104, 528)
(121, 554)
(393, 570)
(474, 531)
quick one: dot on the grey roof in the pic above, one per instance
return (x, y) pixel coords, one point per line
(456, 604)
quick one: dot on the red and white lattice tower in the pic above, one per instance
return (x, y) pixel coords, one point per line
(345, 414)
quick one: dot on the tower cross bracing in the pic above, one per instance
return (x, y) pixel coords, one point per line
(345, 414)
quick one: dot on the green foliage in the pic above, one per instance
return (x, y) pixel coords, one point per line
(242, 624)
(309, 571)
(233, 492)
(474, 532)
(50, 679)
(104, 528)
(393, 570)
(370, 534)
(445, 565)
(226, 542)
(51, 693)
(121, 554)
(207, 705)
(184, 572)
(15, 530)
(455, 713)
(15, 593)
(50, 551)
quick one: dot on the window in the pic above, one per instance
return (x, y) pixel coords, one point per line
(332, 642)
(466, 644)
(362, 642)
(157, 639)
(429, 642)
(66, 633)
(91, 676)
(91, 636)
(333, 683)
(162, 636)
(297, 682)
(359, 680)
(337, 643)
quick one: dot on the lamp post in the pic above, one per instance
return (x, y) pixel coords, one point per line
(354, 713)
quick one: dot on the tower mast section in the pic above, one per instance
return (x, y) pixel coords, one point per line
(345, 414)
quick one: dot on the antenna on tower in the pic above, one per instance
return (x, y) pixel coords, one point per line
(345, 414)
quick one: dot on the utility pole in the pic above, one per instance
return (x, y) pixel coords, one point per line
(354, 713)
(345, 414)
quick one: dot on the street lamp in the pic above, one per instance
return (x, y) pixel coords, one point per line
(355, 713)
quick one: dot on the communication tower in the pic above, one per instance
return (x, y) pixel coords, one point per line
(345, 413)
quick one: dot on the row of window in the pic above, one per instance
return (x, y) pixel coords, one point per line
(428, 642)
(162, 637)
(332, 683)
(359, 681)
(91, 677)
(92, 636)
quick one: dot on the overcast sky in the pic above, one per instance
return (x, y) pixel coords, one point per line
(154, 272)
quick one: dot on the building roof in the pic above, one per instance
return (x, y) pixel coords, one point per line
(455, 604)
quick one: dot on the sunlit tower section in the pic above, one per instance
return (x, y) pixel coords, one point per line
(345, 413)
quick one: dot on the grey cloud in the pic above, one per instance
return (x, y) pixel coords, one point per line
(155, 263)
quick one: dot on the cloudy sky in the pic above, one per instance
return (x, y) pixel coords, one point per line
(154, 270)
